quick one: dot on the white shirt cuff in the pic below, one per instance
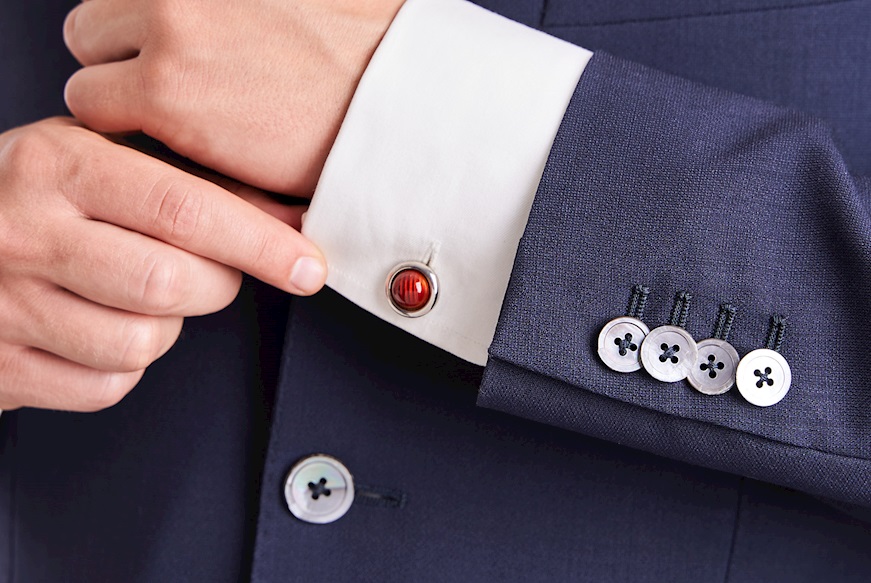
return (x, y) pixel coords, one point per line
(438, 159)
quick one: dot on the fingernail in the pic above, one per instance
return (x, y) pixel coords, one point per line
(308, 275)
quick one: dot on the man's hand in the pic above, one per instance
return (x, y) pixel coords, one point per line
(256, 90)
(103, 251)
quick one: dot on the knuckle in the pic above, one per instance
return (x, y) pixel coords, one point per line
(160, 84)
(170, 22)
(19, 296)
(166, 99)
(41, 156)
(157, 285)
(177, 210)
(57, 254)
(19, 249)
(163, 14)
(38, 166)
(141, 344)
(24, 153)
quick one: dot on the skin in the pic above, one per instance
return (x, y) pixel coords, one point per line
(254, 89)
(105, 250)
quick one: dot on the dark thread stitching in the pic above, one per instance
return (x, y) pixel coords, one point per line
(669, 353)
(681, 309)
(379, 496)
(763, 377)
(643, 292)
(685, 309)
(725, 317)
(625, 343)
(637, 301)
(776, 332)
(712, 366)
(698, 15)
(633, 304)
(319, 489)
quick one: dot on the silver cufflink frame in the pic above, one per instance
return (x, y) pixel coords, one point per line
(431, 278)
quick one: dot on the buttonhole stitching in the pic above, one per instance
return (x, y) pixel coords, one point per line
(379, 496)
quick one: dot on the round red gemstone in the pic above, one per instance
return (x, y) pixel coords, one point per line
(410, 290)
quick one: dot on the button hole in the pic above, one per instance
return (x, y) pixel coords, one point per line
(319, 489)
(764, 378)
(432, 253)
(669, 353)
(624, 344)
(712, 366)
(379, 496)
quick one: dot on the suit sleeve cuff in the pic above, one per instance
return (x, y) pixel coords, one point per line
(657, 180)
(438, 160)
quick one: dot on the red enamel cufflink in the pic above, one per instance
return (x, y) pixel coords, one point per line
(412, 289)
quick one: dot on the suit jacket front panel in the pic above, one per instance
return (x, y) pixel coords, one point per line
(488, 497)
(165, 485)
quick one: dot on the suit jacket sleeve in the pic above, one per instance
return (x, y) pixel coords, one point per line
(656, 180)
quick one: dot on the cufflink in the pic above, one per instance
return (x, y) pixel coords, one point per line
(412, 289)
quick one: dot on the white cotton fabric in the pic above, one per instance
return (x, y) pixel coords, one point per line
(438, 159)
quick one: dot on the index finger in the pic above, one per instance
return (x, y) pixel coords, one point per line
(118, 185)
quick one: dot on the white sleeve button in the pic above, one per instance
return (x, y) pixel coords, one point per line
(763, 377)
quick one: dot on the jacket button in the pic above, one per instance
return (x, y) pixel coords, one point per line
(763, 377)
(319, 489)
(619, 343)
(714, 370)
(668, 353)
(412, 289)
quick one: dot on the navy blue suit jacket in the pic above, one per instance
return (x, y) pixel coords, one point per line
(546, 465)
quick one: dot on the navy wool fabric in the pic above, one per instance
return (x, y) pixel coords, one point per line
(654, 179)
(553, 468)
